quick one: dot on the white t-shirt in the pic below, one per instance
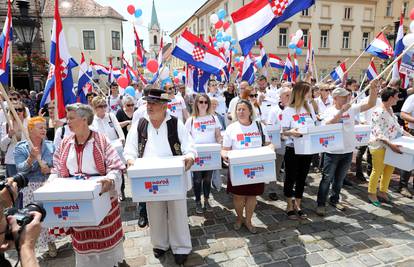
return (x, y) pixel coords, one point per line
(408, 107)
(203, 129)
(232, 104)
(348, 121)
(275, 116)
(322, 107)
(221, 107)
(176, 107)
(114, 104)
(292, 119)
(238, 136)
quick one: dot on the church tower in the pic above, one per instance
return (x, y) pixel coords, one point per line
(154, 33)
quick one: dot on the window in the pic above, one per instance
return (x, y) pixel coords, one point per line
(347, 14)
(368, 14)
(388, 9)
(155, 40)
(89, 40)
(365, 39)
(305, 37)
(305, 12)
(116, 40)
(326, 11)
(405, 8)
(282, 37)
(345, 40)
(324, 38)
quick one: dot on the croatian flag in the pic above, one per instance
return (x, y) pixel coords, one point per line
(138, 48)
(338, 73)
(195, 51)
(287, 71)
(248, 69)
(262, 54)
(380, 47)
(259, 17)
(6, 39)
(200, 79)
(59, 86)
(100, 69)
(84, 84)
(372, 71)
(276, 62)
(309, 57)
(399, 48)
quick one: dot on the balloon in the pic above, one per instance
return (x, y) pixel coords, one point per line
(152, 65)
(237, 59)
(129, 91)
(175, 72)
(165, 81)
(176, 80)
(139, 21)
(295, 39)
(412, 14)
(292, 46)
(219, 34)
(233, 41)
(226, 25)
(138, 13)
(219, 24)
(299, 33)
(214, 18)
(235, 51)
(300, 43)
(165, 73)
(122, 81)
(219, 39)
(298, 51)
(131, 9)
(412, 26)
(408, 39)
(229, 31)
(221, 14)
(226, 45)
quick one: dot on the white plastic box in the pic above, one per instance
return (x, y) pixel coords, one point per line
(69, 202)
(273, 131)
(208, 157)
(117, 145)
(362, 134)
(158, 179)
(404, 161)
(318, 139)
(252, 166)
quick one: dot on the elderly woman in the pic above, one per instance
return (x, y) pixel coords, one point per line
(106, 122)
(124, 115)
(245, 124)
(90, 153)
(35, 162)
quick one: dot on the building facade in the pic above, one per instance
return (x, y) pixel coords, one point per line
(340, 30)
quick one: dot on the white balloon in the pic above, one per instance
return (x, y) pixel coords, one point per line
(214, 18)
(229, 31)
(408, 39)
(220, 44)
(139, 21)
(165, 72)
(227, 45)
(295, 39)
(299, 33)
(412, 26)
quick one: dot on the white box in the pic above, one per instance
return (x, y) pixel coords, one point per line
(404, 161)
(252, 166)
(362, 134)
(69, 202)
(318, 139)
(208, 157)
(118, 146)
(274, 134)
(158, 179)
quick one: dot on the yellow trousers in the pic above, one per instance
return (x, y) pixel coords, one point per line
(379, 169)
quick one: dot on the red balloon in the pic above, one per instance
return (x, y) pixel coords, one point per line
(176, 80)
(122, 81)
(300, 43)
(219, 24)
(131, 9)
(412, 14)
(226, 25)
(152, 65)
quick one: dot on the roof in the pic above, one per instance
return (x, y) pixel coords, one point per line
(154, 18)
(80, 8)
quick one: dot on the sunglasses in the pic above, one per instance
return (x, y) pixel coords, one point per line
(19, 109)
(203, 102)
(102, 106)
(253, 95)
(130, 105)
(213, 85)
(14, 99)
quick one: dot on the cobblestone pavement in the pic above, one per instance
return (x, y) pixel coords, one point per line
(363, 235)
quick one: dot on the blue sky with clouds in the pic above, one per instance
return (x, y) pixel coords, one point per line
(171, 14)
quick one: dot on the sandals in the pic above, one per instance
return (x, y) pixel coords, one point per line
(237, 226)
(376, 203)
(292, 215)
(302, 215)
(251, 229)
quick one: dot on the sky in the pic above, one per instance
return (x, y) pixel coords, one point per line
(171, 14)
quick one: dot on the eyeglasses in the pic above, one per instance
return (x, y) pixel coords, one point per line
(102, 106)
(213, 84)
(14, 99)
(253, 95)
(19, 109)
(203, 102)
(130, 105)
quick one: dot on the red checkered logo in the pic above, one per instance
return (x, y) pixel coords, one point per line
(278, 6)
(199, 51)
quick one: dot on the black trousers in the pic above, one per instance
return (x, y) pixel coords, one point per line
(296, 170)
(358, 160)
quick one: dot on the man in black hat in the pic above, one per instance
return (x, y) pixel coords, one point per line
(158, 134)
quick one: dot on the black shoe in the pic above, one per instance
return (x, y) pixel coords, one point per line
(348, 183)
(158, 253)
(273, 196)
(361, 177)
(180, 258)
(142, 221)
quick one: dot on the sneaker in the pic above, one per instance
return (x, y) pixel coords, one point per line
(207, 206)
(199, 208)
(321, 210)
(405, 192)
(338, 206)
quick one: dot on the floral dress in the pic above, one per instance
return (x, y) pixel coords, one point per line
(384, 126)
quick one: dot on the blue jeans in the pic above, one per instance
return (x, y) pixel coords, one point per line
(335, 168)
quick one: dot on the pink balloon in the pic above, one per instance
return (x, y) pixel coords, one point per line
(300, 43)
(131, 9)
(122, 81)
(218, 25)
(152, 65)
(226, 25)
(412, 14)
(176, 80)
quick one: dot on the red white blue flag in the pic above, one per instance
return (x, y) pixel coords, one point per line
(372, 71)
(338, 73)
(6, 39)
(84, 83)
(399, 48)
(276, 62)
(380, 47)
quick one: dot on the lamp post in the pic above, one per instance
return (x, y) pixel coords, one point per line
(26, 28)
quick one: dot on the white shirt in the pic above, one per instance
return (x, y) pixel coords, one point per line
(365, 117)
(203, 129)
(58, 135)
(238, 136)
(114, 104)
(139, 113)
(176, 107)
(109, 126)
(292, 119)
(408, 107)
(221, 107)
(7, 144)
(348, 121)
(323, 106)
(266, 106)
(275, 116)
(232, 104)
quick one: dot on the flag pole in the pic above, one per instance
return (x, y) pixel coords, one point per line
(11, 66)
(6, 115)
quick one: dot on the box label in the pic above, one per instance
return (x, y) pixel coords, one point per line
(207, 161)
(328, 141)
(253, 173)
(68, 211)
(157, 186)
(362, 137)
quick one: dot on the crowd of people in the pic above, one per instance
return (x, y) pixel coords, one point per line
(109, 134)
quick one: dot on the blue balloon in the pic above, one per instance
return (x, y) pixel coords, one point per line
(175, 73)
(227, 38)
(219, 39)
(138, 12)
(129, 91)
(237, 59)
(165, 81)
(292, 46)
(235, 51)
(221, 14)
(233, 41)
(219, 34)
(298, 51)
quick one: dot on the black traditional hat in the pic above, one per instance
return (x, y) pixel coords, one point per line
(157, 95)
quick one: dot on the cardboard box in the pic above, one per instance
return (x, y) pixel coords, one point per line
(252, 166)
(362, 134)
(70, 202)
(273, 131)
(208, 157)
(158, 179)
(404, 161)
(318, 139)
(117, 145)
